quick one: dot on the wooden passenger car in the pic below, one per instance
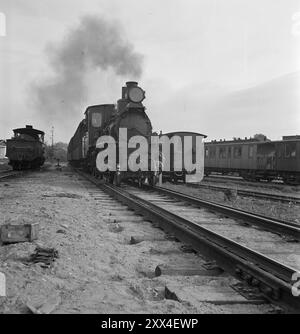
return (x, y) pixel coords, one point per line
(255, 160)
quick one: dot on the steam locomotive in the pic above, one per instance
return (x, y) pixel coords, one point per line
(106, 120)
(26, 150)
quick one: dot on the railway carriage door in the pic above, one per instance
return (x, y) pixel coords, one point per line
(266, 156)
(271, 162)
(229, 156)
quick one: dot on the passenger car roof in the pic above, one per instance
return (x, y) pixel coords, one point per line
(184, 132)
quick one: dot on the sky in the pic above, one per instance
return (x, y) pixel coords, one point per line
(222, 68)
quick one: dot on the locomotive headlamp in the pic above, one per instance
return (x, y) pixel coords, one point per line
(136, 94)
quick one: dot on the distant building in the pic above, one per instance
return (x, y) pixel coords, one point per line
(2, 149)
(291, 137)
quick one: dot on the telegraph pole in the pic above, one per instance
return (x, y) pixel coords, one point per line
(52, 142)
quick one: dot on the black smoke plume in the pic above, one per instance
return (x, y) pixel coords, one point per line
(95, 44)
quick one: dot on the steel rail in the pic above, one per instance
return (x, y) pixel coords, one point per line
(250, 193)
(240, 180)
(9, 174)
(271, 224)
(5, 171)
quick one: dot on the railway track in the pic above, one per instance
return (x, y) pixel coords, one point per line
(8, 174)
(249, 193)
(238, 180)
(271, 224)
(268, 270)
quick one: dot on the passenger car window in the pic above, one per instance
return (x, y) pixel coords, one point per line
(237, 153)
(96, 120)
(206, 153)
(251, 152)
(290, 150)
(279, 152)
(222, 152)
(229, 152)
(212, 152)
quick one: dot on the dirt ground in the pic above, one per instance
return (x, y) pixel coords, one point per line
(4, 165)
(97, 271)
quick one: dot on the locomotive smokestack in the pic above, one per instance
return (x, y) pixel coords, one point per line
(130, 84)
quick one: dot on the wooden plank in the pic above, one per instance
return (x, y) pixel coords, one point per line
(19, 233)
(186, 271)
(140, 238)
(45, 306)
(195, 295)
